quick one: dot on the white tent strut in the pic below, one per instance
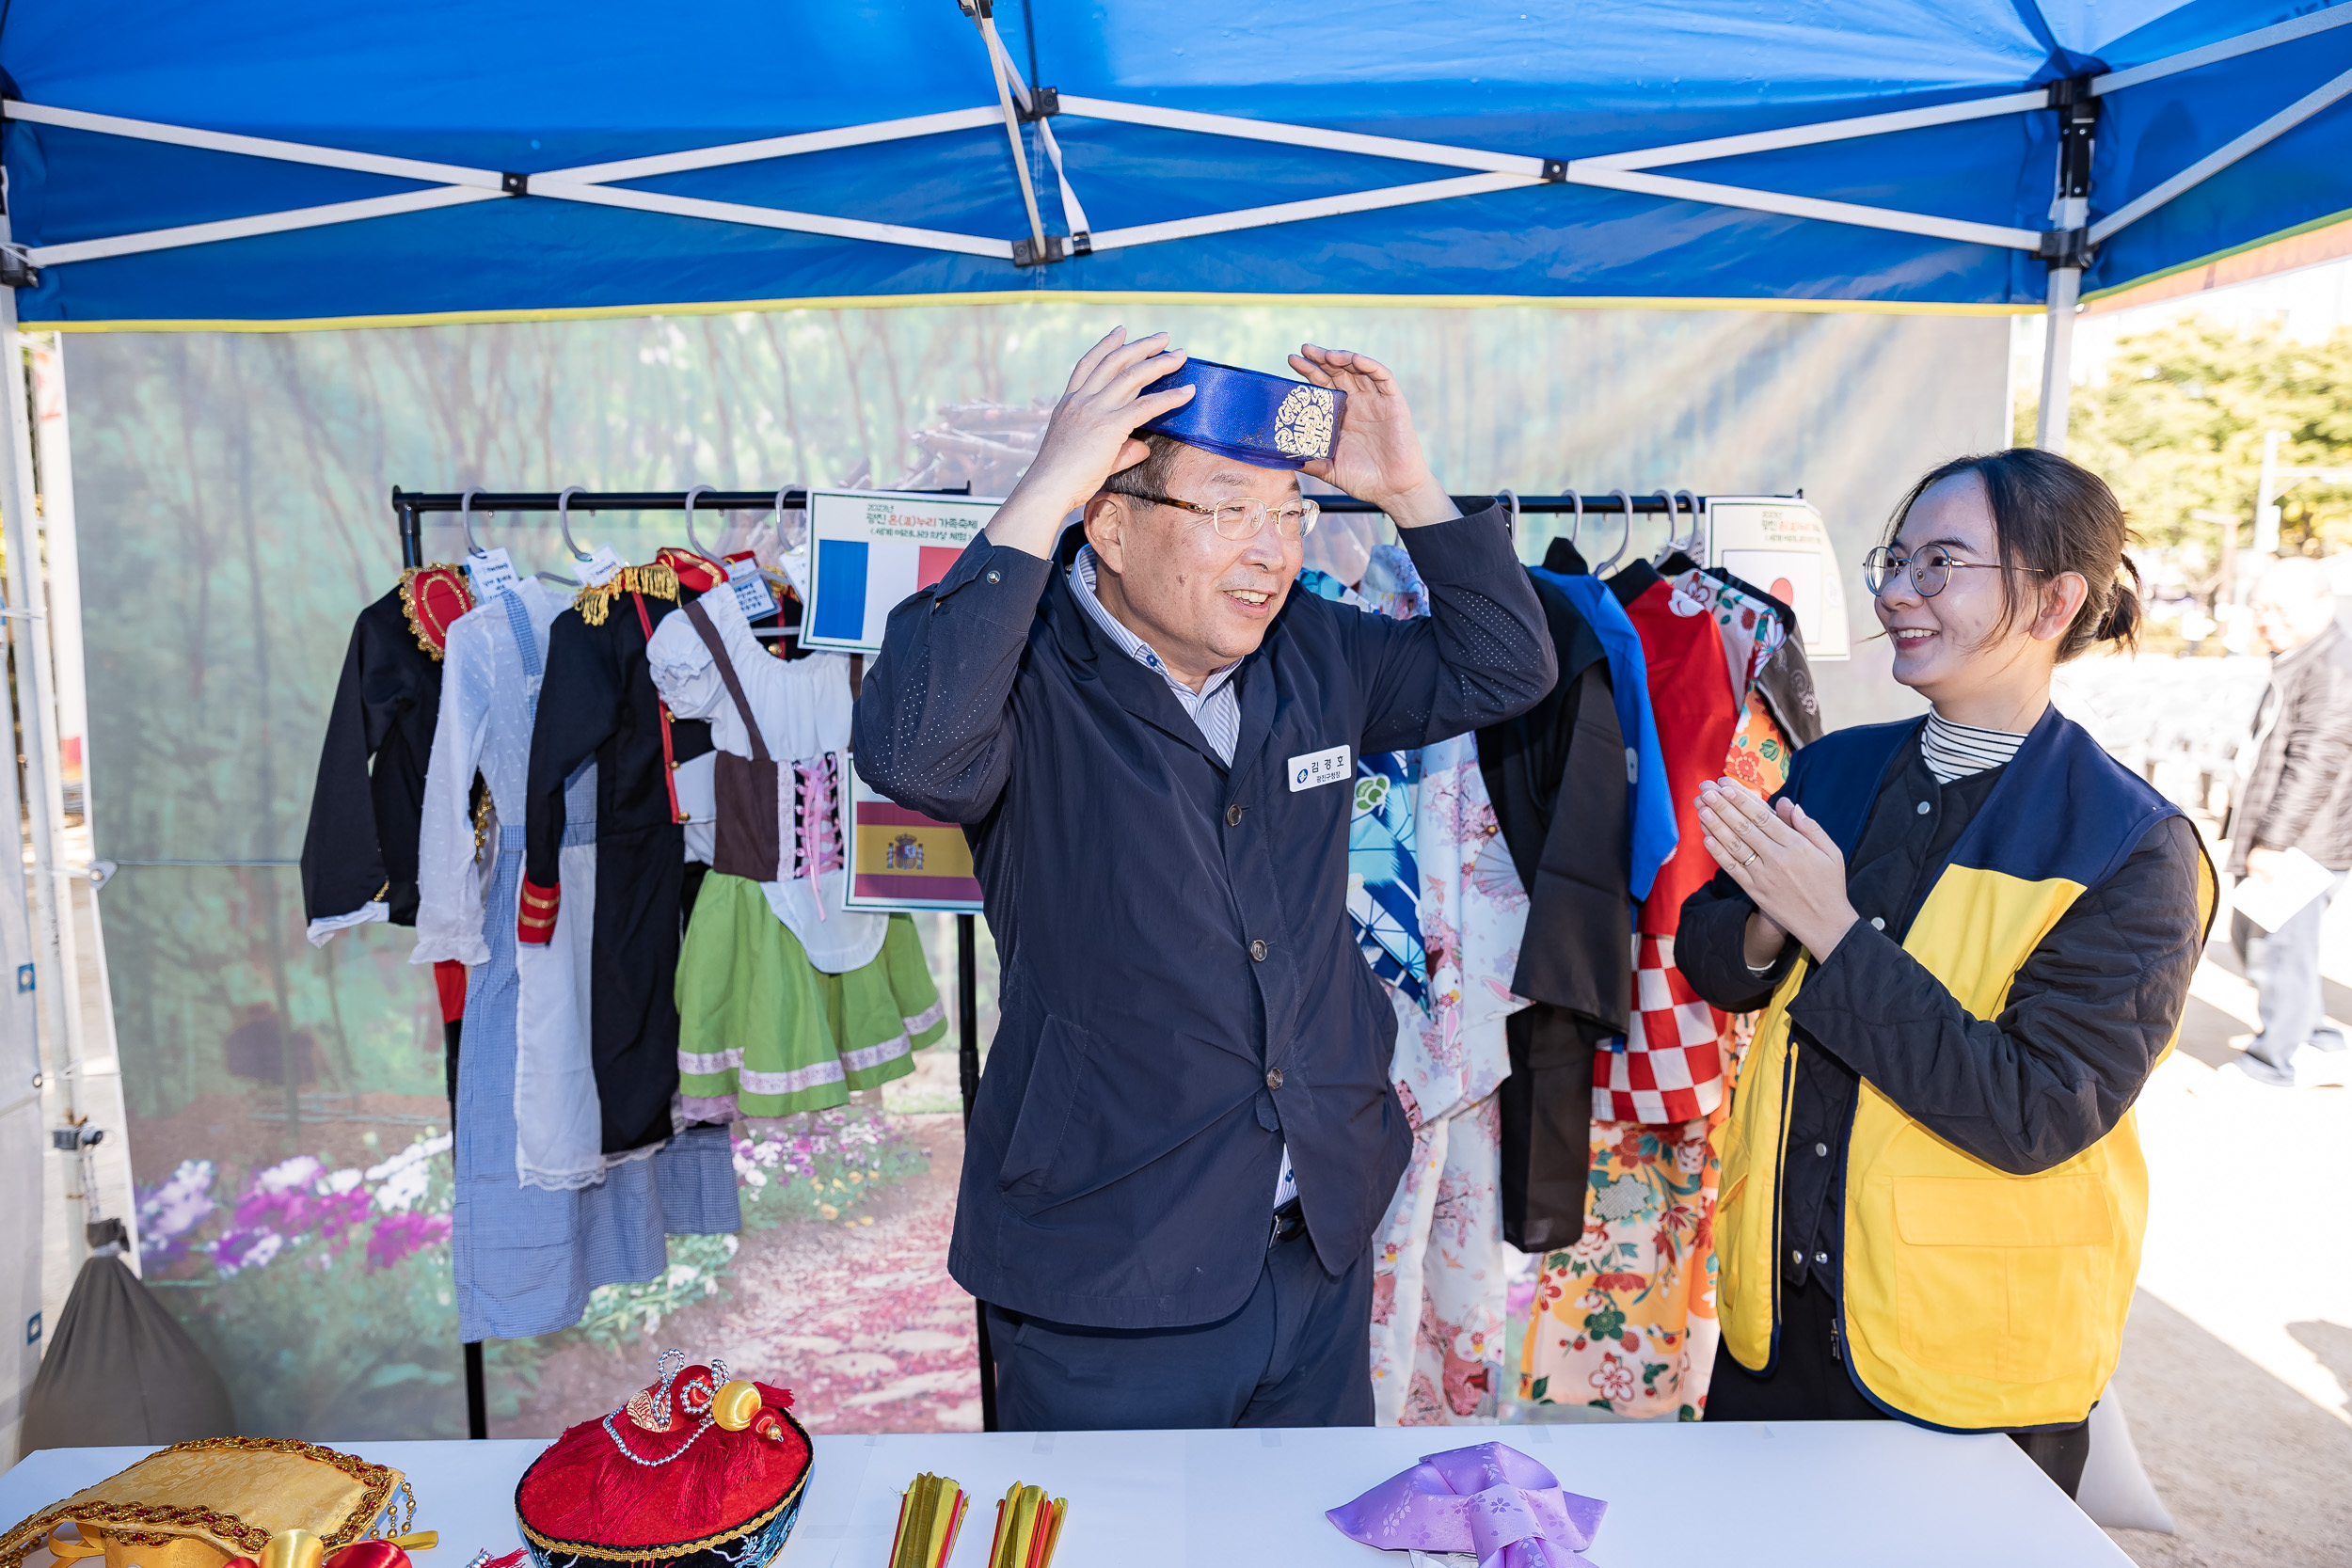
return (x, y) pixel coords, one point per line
(454, 184)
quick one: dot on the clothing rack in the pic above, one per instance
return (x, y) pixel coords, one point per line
(410, 507)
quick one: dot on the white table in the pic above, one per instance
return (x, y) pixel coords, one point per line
(1818, 1495)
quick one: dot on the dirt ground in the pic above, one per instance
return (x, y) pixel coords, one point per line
(861, 1322)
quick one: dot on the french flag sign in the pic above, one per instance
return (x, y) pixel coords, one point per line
(868, 549)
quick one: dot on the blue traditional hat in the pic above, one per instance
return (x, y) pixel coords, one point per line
(1268, 422)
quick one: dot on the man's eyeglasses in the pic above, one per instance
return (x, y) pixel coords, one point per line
(1238, 520)
(1930, 570)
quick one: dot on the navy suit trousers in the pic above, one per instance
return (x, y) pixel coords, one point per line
(1296, 1354)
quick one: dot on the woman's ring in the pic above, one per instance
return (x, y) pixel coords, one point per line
(1753, 855)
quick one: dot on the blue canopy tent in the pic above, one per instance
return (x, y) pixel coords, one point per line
(257, 163)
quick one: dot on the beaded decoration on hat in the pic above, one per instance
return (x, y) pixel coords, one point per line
(698, 1469)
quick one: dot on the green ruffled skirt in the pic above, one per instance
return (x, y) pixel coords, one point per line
(762, 1032)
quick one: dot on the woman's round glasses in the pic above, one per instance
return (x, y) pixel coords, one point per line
(1930, 569)
(1238, 520)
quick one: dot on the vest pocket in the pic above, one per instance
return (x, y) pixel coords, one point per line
(1728, 1248)
(1995, 1277)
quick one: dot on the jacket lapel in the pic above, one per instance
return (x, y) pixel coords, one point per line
(1140, 690)
(1254, 681)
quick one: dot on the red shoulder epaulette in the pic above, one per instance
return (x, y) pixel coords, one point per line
(433, 596)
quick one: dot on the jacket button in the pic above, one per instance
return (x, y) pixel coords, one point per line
(1257, 950)
(1820, 1258)
(1821, 1149)
(994, 576)
(1923, 808)
(1274, 1078)
(1878, 923)
(1233, 817)
(1796, 1257)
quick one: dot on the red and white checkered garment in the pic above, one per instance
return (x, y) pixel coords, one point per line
(1668, 1067)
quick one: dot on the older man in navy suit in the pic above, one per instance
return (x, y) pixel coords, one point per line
(1186, 1134)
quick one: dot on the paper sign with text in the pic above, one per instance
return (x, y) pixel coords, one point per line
(1780, 544)
(868, 549)
(900, 859)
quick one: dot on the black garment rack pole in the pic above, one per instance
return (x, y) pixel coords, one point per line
(410, 506)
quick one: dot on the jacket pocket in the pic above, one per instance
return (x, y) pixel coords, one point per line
(1044, 1123)
(1998, 1278)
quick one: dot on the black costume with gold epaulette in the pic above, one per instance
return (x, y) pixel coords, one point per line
(598, 701)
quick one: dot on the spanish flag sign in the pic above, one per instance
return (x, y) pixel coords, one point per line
(900, 859)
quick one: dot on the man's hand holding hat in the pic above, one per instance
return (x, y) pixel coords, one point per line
(1378, 457)
(1091, 437)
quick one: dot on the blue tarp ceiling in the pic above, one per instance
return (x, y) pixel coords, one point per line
(504, 85)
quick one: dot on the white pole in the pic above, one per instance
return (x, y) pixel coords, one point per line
(2266, 502)
(61, 567)
(2058, 361)
(54, 979)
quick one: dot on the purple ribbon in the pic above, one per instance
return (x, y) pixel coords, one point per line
(1487, 1498)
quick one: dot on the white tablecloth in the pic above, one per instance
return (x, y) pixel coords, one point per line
(1820, 1495)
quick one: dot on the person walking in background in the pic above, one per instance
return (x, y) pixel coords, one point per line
(2295, 793)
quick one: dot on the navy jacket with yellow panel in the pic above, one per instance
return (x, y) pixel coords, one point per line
(1962, 1069)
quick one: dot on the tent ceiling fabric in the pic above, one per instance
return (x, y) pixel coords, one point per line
(533, 88)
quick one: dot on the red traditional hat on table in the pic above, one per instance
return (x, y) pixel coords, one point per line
(697, 1470)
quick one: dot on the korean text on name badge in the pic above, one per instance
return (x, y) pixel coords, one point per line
(1312, 769)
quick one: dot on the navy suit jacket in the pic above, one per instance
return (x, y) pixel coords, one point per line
(1181, 995)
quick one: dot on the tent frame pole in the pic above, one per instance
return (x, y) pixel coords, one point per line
(2067, 252)
(35, 699)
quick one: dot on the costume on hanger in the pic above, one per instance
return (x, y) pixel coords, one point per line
(599, 701)
(359, 851)
(1559, 781)
(360, 854)
(529, 1241)
(1668, 1068)
(1626, 1316)
(1425, 855)
(786, 999)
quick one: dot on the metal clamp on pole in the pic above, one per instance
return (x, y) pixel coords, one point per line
(1044, 103)
(16, 268)
(1025, 253)
(2067, 250)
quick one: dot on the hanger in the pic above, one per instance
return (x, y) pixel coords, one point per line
(1511, 499)
(563, 520)
(782, 627)
(1671, 558)
(1625, 542)
(464, 521)
(692, 543)
(1698, 520)
(1562, 555)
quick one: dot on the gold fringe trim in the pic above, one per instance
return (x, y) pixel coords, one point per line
(654, 580)
(207, 1523)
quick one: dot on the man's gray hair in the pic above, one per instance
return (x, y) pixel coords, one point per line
(2295, 580)
(1149, 477)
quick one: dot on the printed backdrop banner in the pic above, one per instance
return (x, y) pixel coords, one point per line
(289, 1129)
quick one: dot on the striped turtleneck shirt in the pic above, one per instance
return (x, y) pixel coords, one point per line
(1955, 751)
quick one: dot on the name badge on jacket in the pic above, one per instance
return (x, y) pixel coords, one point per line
(1319, 767)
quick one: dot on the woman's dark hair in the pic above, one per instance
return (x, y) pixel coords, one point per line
(2055, 516)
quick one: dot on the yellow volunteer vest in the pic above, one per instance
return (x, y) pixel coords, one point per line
(1973, 1300)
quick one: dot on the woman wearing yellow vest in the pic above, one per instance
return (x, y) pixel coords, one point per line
(1973, 936)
